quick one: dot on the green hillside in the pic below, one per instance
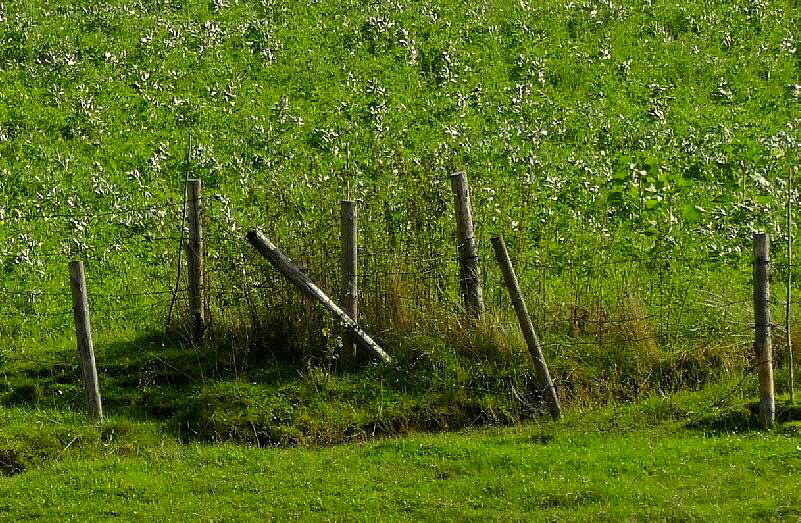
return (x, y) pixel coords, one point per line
(590, 131)
(626, 151)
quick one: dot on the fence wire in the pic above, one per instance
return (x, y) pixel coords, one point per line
(408, 280)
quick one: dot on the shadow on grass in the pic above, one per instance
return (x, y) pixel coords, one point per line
(743, 419)
(733, 420)
(142, 378)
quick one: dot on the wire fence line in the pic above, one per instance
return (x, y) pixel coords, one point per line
(406, 280)
(76, 216)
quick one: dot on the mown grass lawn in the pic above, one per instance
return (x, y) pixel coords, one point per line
(612, 463)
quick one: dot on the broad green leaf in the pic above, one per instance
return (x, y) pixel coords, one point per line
(763, 199)
(691, 213)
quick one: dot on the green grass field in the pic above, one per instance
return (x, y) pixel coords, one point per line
(626, 150)
(674, 458)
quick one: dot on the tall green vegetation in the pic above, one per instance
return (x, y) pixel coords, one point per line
(654, 135)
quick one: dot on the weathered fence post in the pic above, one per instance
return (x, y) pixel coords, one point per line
(762, 342)
(195, 258)
(469, 275)
(350, 288)
(544, 381)
(789, 298)
(295, 276)
(83, 331)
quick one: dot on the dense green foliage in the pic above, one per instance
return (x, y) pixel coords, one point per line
(591, 131)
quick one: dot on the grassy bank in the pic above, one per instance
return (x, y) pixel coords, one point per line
(213, 393)
(672, 457)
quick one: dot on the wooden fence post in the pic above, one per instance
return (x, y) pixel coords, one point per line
(788, 333)
(83, 330)
(544, 381)
(296, 277)
(762, 342)
(350, 286)
(469, 272)
(195, 258)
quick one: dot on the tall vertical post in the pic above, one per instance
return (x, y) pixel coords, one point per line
(83, 331)
(469, 275)
(350, 289)
(544, 381)
(762, 342)
(195, 258)
(788, 299)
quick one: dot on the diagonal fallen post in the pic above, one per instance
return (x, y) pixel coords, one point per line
(295, 276)
(544, 380)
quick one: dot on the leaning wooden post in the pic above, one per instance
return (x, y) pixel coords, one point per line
(195, 258)
(762, 342)
(295, 276)
(469, 273)
(544, 381)
(350, 288)
(83, 330)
